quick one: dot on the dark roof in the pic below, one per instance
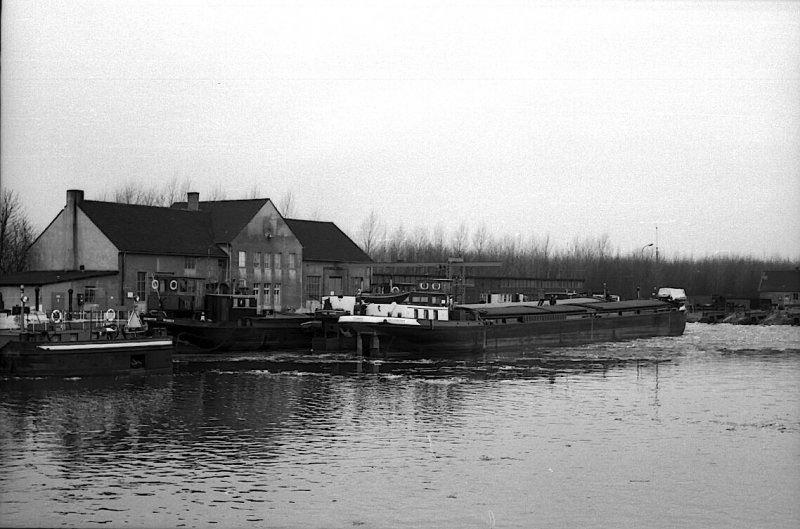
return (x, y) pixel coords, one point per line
(153, 230)
(48, 277)
(228, 217)
(324, 241)
(780, 281)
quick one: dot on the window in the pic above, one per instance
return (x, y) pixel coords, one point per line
(89, 294)
(313, 287)
(256, 287)
(335, 284)
(190, 263)
(292, 262)
(242, 259)
(268, 260)
(141, 285)
(278, 261)
(276, 294)
(256, 260)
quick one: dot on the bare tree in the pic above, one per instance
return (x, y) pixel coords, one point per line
(175, 191)
(286, 204)
(368, 232)
(217, 192)
(16, 233)
(460, 238)
(479, 239)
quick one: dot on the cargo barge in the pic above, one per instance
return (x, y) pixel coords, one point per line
(425, 326)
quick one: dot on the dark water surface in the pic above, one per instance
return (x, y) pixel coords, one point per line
(697, 431)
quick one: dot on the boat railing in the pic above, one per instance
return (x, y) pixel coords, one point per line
(94, 322)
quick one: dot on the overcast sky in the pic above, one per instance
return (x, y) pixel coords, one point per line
(569, 119)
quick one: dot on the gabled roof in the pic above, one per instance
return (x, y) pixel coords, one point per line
(780, 281)
(228, 217)
(153, 230)
(324, 241)
(49, 277)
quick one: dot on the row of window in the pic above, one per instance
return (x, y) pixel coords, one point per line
(264, 289)
(269, 260)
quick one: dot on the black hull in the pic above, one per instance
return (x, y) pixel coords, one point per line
(455, 338)
(90, 358)
(268, 334)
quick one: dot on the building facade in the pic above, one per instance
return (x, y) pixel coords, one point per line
(332, 263)
(146, 257)
(781, 288)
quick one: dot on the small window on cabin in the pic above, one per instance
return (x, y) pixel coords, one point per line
(242, 259)
(619, 313)
(638, 311)
(520, 319)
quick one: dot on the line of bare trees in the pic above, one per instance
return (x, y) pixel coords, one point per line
(531, 255)
(175, 190)
(594, 259)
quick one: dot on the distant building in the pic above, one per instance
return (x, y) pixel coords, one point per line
(332, 262)
(103, 255)
(781, 287)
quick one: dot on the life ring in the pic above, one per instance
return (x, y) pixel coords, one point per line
(55, 316)
(423, 286)
(154, 284)
(395, 290)
(111, 315)
(436, 286)
(173, 285)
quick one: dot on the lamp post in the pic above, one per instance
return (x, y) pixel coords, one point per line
(641, 254)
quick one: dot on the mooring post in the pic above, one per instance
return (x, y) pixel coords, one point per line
(359, 352)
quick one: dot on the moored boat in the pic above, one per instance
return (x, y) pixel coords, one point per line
(276, 332)
(425, 326)
(75, 349)
(233, 322)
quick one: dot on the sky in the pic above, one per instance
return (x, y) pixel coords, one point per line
(668, 122)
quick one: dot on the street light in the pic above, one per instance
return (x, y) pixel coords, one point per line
(641, 254)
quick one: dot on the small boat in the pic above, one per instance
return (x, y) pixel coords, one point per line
(428, 325)
(266, 333)
(79, 348)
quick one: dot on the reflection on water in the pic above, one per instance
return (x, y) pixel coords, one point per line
(700, 431)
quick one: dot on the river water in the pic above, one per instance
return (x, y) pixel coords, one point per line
(702, 430)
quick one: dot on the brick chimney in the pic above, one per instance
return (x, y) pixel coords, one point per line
(193, 201)
(74, 199)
